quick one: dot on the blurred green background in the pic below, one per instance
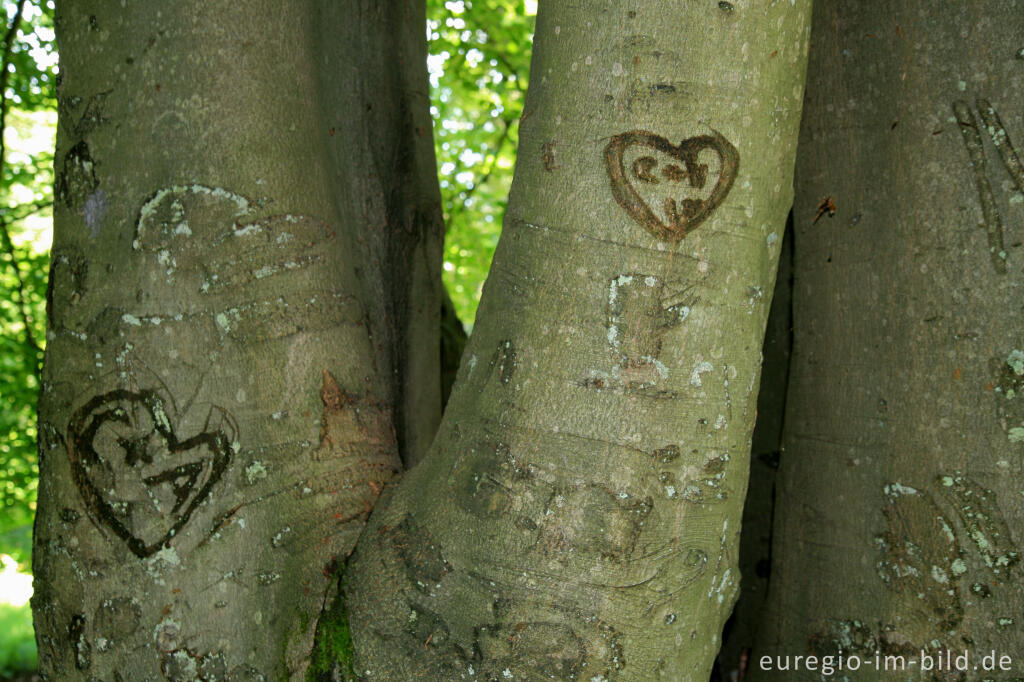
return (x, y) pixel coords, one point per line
(479, 59)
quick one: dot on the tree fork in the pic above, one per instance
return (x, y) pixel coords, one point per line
(578, 512)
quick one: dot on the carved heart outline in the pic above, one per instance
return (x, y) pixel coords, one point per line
(694, 211)
(113, 407)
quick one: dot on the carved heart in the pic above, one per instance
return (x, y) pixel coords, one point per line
(135, 475)
(675, 175)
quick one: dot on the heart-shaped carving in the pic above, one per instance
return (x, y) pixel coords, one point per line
(676, 175)
(136, 475)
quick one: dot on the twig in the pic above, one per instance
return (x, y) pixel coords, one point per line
(5, 235)
(26, 319)
(487, 175)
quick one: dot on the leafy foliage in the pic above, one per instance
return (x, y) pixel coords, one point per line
(18, 645)
(479, 63)
(26, 181)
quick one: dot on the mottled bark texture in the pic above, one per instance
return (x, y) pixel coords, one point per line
(899, 509)
(245, 199)
(578, 514)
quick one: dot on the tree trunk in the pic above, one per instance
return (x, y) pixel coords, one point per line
(578, 513)
(245, 205)
(901, 479)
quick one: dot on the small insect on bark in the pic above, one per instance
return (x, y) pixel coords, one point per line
(828, 204)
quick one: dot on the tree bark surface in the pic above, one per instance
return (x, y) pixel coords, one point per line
(899, 505)
(243, 189)
(578, 514)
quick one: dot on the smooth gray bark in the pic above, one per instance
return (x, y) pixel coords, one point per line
(245, 200)
(899, 504)
(577, 516)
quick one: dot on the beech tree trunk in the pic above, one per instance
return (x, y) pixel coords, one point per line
(899, 509)
(243, 326)
(578, 513)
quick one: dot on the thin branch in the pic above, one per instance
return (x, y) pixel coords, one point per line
(8, 47)
(5, 235)
(487, 175)
(515, 72)
(26, 319)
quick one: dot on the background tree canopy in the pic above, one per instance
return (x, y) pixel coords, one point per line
(479, 62)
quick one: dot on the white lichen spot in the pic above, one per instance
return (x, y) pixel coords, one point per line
(279, 537)
(1016, 362)
(507, 674)
(617, 69)
(946, 530)
(983, 544)
(670, 491)
(131, 319)
(160, 416)
(255, 472)
(248, 230)
(701, 368)
(1016, 434)
(223, 322)
(720, 422)
(958, 567)
(161, 562)
(613, 336)
(165, 634)
(896, 489)
(613, 289)
(265, 271)
(658, 365)
(939, 576)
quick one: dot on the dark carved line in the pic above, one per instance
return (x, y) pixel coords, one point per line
(1002, 142)
(993, 221)
(694, 212)
(112, 407)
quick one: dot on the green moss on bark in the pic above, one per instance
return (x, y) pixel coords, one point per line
(332, 646)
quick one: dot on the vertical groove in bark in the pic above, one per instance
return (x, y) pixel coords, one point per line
(374, 95)
(215, 418)
(900, 488)
(577, 516)
(765, 453)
